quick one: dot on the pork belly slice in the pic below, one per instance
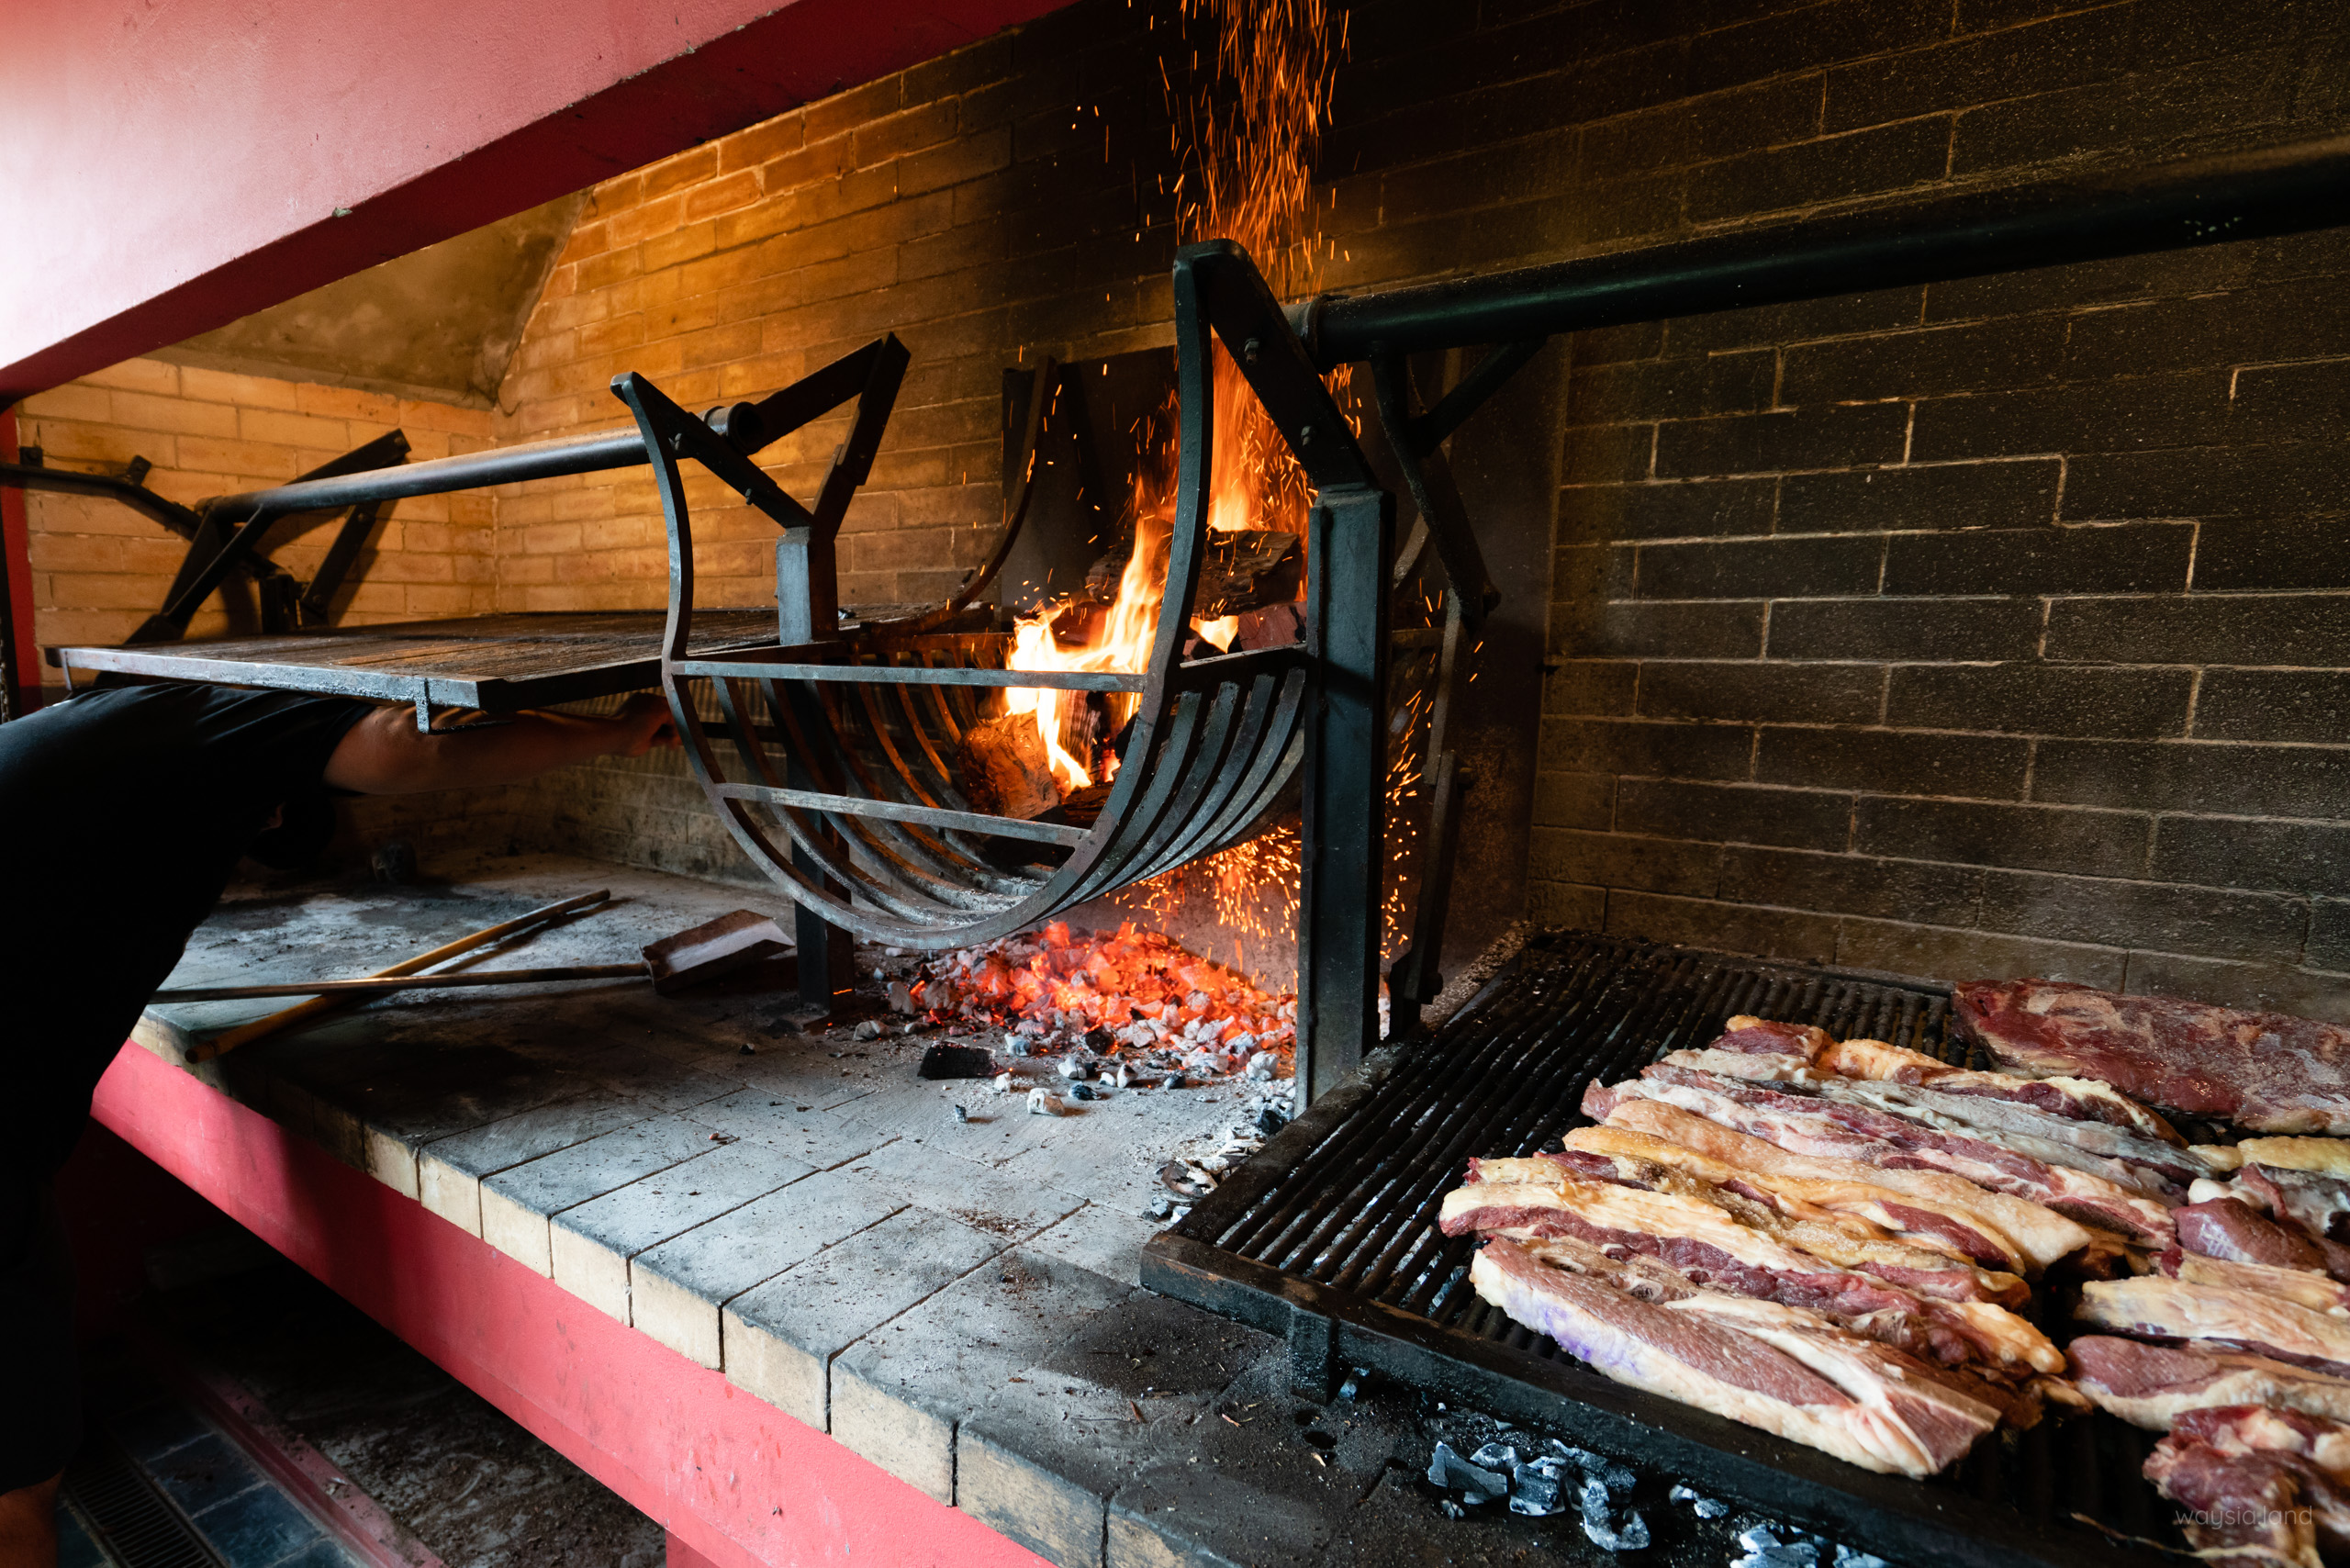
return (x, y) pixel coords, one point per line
(2075, 1099)
(2153, 1386)
(2143, 1166)
(2266, 1071)
(1925, 1200)
(1686, 1356)
(1866, 1208)
(1850, 1132)
(2296, 1285)
(2156, 1307)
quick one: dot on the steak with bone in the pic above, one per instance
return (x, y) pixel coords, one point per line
(2153, 1386)
(2266, 1071)
(2259, 1480)
(1954, 1313)
(1808, 1126)
(1871, 1418)
(2075, 1099)
(1969, 1216)
(2153, 1308)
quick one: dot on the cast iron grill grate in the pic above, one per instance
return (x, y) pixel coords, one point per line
(1329, 1236)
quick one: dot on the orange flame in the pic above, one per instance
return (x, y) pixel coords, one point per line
(1251, 134)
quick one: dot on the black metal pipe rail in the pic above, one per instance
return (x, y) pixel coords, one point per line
(2075, 218)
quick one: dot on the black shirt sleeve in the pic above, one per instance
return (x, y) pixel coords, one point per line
(122, 815)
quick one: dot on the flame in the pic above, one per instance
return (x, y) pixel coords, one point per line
(1252, 148)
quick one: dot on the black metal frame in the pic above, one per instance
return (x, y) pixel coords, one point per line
(219, 546)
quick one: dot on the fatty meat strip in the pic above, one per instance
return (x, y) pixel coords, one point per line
(2156, 1307)
(1872, 1417)
(1718, 1240)
(1808, 1126)
(2153, 1385)
(1922, 1202)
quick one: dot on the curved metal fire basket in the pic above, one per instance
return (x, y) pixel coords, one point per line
(832, 759)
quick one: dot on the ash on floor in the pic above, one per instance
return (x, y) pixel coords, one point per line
(472, 1484)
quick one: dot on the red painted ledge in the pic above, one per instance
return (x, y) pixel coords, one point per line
(732, 1479)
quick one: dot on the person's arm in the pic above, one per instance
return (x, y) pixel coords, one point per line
(384, 753)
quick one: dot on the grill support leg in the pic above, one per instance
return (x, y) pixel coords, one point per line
(1350, 541)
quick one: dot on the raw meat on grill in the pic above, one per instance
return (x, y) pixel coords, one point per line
(2231, 1229)
(1761, 1051)
(2247, 1510)
(2075, 1099)
(2296, 1285)
(2318, 1203)
(1924, 1302)
(2327, 1156)
(1653, 1280)
(2153, 1386)
(2151, 1170)
(1879, 1423)
(1871, 1208)
(2259, 1480)
(2155, 1308)
(1929, 1200)
(1848, 1132)
(2266, 1071)
(1753, 1252)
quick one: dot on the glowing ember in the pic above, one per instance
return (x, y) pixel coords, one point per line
(1131, 996)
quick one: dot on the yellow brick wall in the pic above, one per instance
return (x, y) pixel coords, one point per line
(99, 570)
(951, 204)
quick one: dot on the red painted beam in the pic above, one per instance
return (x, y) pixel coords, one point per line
(734, 1480)
(168, 169)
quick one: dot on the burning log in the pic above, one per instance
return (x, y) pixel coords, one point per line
(1005, 769)
(1240, 569)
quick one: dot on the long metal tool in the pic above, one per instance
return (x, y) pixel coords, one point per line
(370, 985)
(244, 1034)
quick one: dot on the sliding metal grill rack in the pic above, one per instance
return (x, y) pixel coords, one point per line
(1329, 1237)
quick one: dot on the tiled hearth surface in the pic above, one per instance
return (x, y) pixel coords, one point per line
(956, 1302)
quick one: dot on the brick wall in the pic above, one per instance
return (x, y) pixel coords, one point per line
(99, 570)
(1987, 628)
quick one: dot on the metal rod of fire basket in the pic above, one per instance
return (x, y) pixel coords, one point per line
(2079, 217)
(1350, 539)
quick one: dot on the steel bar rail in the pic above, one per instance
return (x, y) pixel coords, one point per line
(2073, 218)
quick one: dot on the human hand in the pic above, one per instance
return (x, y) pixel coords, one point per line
(643, 723)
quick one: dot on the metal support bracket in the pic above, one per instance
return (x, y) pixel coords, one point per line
(1350, 541)
(806, 585)
(218, 548)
